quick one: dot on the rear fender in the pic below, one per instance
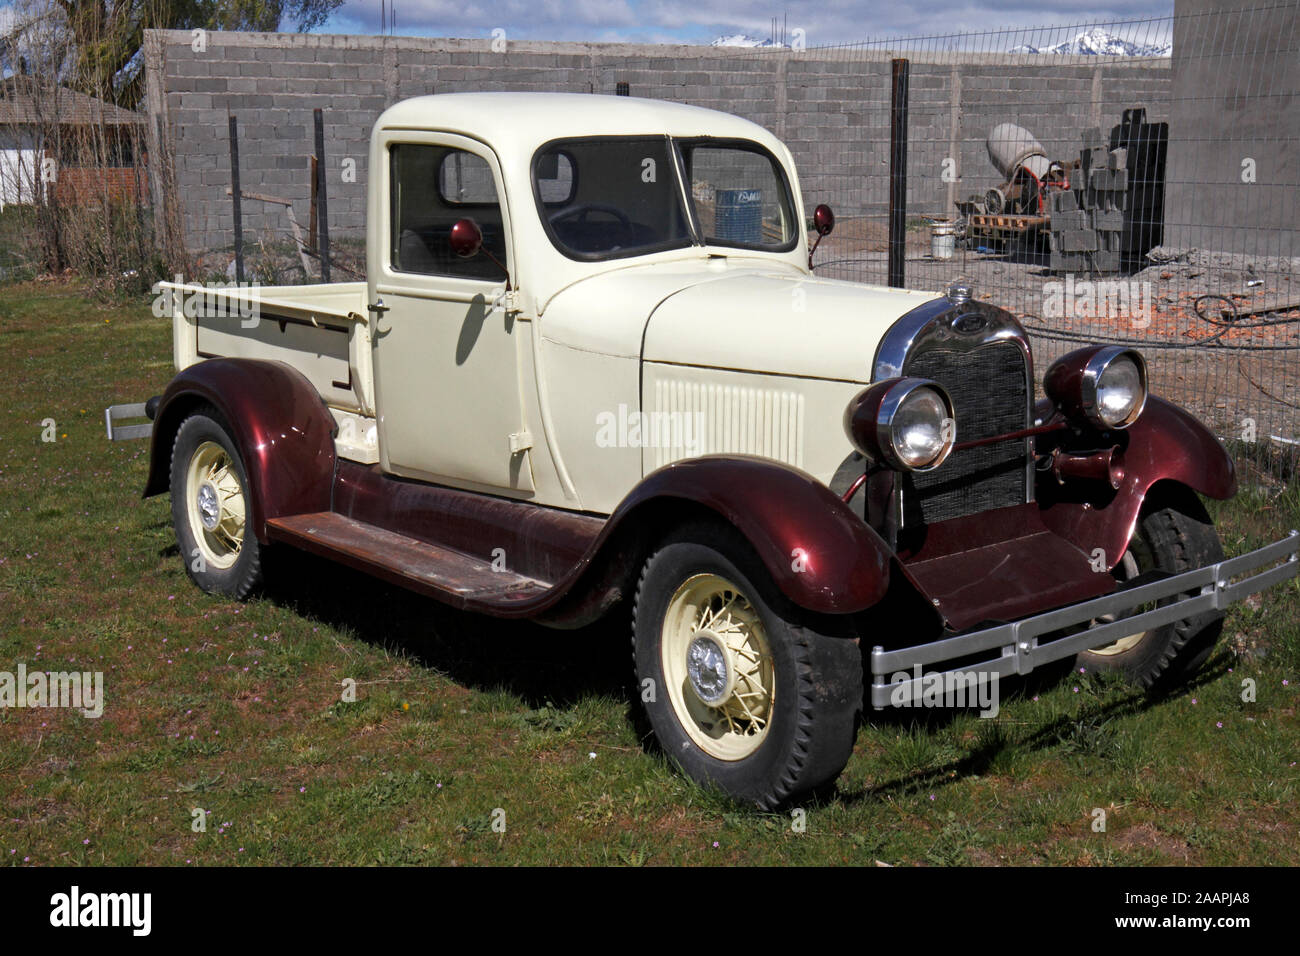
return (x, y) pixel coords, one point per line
(281, 425)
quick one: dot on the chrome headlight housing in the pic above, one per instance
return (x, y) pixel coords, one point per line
(1107, 385)
(905, 423)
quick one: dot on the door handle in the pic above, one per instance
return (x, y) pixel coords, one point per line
(377, 307)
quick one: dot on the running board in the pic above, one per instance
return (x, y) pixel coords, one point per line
(452, 576)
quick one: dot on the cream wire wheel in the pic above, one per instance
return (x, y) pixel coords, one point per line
(215, 503)
(718, 667)
(211, 507)
(1172, 534)
(1128, 569)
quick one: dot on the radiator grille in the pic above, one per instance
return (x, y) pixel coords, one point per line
(988, 389)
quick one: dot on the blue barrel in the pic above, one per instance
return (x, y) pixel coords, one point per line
(739, 215)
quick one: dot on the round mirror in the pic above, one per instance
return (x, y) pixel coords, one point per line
(466, 238)
(823, 220)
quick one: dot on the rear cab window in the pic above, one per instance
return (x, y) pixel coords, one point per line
(433, 187)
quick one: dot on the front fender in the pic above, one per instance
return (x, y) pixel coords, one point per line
(1164, 444)
(820, 555)
(277, 419)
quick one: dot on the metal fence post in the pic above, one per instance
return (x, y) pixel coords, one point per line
(898, 171)
(235, 196)
(322, 204)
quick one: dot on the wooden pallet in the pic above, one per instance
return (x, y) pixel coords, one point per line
(985, 223)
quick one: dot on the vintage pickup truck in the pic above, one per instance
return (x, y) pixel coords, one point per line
(590, 372)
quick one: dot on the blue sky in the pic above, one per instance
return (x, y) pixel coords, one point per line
(827, 22)
(698, 21)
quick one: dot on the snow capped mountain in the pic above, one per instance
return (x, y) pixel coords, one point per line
(741, 39)
(1097, 42)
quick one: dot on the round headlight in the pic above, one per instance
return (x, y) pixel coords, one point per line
(1115, 387)
(917, 429)
(1107, 385)
(906, 423)
(1121, 392)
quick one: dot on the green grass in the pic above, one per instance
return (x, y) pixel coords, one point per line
(236, 709)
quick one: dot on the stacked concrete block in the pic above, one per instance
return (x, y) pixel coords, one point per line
(1088, 218)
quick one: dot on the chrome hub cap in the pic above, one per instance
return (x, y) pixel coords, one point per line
(209, 509)
(709, 669)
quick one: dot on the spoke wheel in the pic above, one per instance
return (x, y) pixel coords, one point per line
(211, 507)
(215, 499)
(741, 693)
(718, 667)
(1173, 534)
(1130, 567)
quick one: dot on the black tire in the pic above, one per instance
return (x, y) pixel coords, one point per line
(815, 680)
(205, 553)
(1174, 534)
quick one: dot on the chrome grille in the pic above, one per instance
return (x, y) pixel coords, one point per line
(988, 387)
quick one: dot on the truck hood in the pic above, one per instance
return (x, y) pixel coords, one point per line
(730, 315)
(779, 324)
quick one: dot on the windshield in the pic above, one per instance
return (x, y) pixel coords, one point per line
(740, 195)
(609, 197)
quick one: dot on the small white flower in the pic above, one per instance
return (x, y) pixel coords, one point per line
(592, 755)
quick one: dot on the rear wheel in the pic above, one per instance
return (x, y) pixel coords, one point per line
(739, 693)
(1173, 535)
(210, 508)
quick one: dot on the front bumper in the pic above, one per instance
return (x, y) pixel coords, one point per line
(1015, 647)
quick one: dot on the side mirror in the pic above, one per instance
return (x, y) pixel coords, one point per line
(823, 220)
(823, 223)
(466, 238)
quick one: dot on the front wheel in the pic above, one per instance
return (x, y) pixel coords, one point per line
(1172, 535)
(739, 693)
(210, 506)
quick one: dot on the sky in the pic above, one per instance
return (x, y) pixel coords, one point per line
(827, 22)
(824, 23)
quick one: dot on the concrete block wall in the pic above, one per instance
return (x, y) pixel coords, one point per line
(830, 107)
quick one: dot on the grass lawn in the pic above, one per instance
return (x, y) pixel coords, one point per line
(236, 710)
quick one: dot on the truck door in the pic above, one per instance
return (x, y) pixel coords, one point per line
(444, 344)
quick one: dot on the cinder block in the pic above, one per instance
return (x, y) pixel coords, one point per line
(1094, 158)
(1091, 137)
(1071, 219)
(1065, 200)
(1068, 261)
(1107, 220)
(1118, 158)
(1106, 261)
(1078, 240)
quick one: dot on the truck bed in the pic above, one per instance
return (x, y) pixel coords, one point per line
(322, 330)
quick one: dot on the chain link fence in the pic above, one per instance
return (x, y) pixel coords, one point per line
(1132, 182)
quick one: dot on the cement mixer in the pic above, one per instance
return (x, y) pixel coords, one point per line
(1021, 204)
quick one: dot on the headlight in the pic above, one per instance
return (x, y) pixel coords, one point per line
(1107, 385)
(906, 423)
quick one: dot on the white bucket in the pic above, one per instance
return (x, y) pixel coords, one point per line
(943, 240)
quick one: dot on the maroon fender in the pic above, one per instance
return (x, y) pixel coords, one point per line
(820, 554)
(281, 425)
(1164, 444)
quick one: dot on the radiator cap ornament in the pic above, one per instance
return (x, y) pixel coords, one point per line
(959, 293)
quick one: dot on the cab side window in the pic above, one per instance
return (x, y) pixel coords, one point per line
(432, 187)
